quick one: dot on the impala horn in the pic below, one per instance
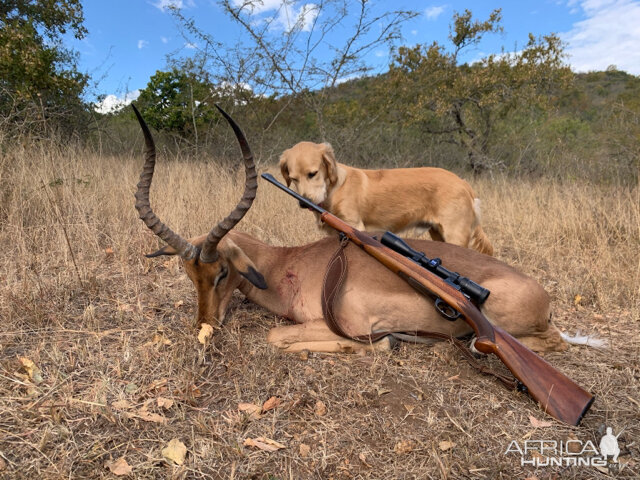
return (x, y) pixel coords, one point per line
(208, 253)
(183, 248)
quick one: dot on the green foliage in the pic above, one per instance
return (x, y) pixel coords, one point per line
(465, 102)
(39, 80)
(177, 102)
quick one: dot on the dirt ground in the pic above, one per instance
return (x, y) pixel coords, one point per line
(102, 374)
(121, 374)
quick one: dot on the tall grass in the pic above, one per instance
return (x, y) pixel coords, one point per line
(61, 205)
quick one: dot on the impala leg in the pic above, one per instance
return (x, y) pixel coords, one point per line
(315, 336)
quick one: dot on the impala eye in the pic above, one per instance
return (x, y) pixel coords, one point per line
(312, 174)
(221, 276)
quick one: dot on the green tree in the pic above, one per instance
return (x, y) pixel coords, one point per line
(465, 102)
(180, 103)
(39, 79)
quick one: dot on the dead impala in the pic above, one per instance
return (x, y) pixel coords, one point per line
(288, 280)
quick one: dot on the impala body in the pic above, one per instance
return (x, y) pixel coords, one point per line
(288, 281)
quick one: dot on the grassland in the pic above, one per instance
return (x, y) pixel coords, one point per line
(118, 372)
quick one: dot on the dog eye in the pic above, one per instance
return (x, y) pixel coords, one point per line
(312, 174)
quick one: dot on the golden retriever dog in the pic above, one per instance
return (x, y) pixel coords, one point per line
(394, 199)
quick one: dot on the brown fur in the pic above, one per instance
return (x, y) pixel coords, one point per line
(373, 298)
(396, 199)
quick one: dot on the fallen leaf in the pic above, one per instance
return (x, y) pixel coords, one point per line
(160, 339)
(165, 403)
(175, 451)
(125, 307)
(446, 445)
(305, 450)
(404, 446)
(119, 467)
(108, 251)
(206, 331)
(320, 408)
(266, 444)
(151, 417)
(383, 391)
(538, 456)
(572, 444)
(270, 404)
(539, 423)
(577, 299)
(178, 304)
(251, 409)
(121, 405)
(3, 464)
(35, 375)
(363, 459)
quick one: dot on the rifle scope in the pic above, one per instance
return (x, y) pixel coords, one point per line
(470, 288)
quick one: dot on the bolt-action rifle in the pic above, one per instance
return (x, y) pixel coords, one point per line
(557, 394)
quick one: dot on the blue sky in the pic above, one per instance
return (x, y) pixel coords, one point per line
(129, 40)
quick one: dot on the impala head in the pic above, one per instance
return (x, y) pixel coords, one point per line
(213, 262)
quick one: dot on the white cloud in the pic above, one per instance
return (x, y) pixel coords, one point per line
(112, 103)
(164, 40)
(191, 46)
(609, 35)
(286, 15)
(380, 53)
(434, 11)
(142, 44)
(167, 4)
(414, 32)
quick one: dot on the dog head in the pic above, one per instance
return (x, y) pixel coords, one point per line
(312, 169)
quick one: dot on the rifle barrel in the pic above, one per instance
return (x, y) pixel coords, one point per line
(305, 201)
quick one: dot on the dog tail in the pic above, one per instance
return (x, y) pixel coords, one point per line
(479, 240)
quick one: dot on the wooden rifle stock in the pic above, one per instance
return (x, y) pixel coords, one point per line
(557, 394)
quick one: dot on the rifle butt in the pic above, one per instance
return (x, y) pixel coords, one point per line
(557, 394)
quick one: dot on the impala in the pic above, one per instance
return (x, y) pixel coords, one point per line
(288, 280)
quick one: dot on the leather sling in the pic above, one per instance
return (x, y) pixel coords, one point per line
(332, 284)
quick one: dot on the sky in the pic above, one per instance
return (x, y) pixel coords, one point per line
(129, 40)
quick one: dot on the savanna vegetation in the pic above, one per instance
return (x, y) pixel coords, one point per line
(100, 365)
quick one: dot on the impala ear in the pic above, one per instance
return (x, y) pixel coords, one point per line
(166, 250)
(329, 160)
(241, 262)
(284, 167)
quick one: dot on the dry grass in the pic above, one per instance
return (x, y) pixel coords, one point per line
(116, 334)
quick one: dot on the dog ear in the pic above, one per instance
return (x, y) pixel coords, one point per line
(284, 167)
(329, 160)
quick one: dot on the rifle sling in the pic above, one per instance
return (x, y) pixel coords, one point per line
(332, 284)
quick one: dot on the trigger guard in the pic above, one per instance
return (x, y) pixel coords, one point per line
(447, 311)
